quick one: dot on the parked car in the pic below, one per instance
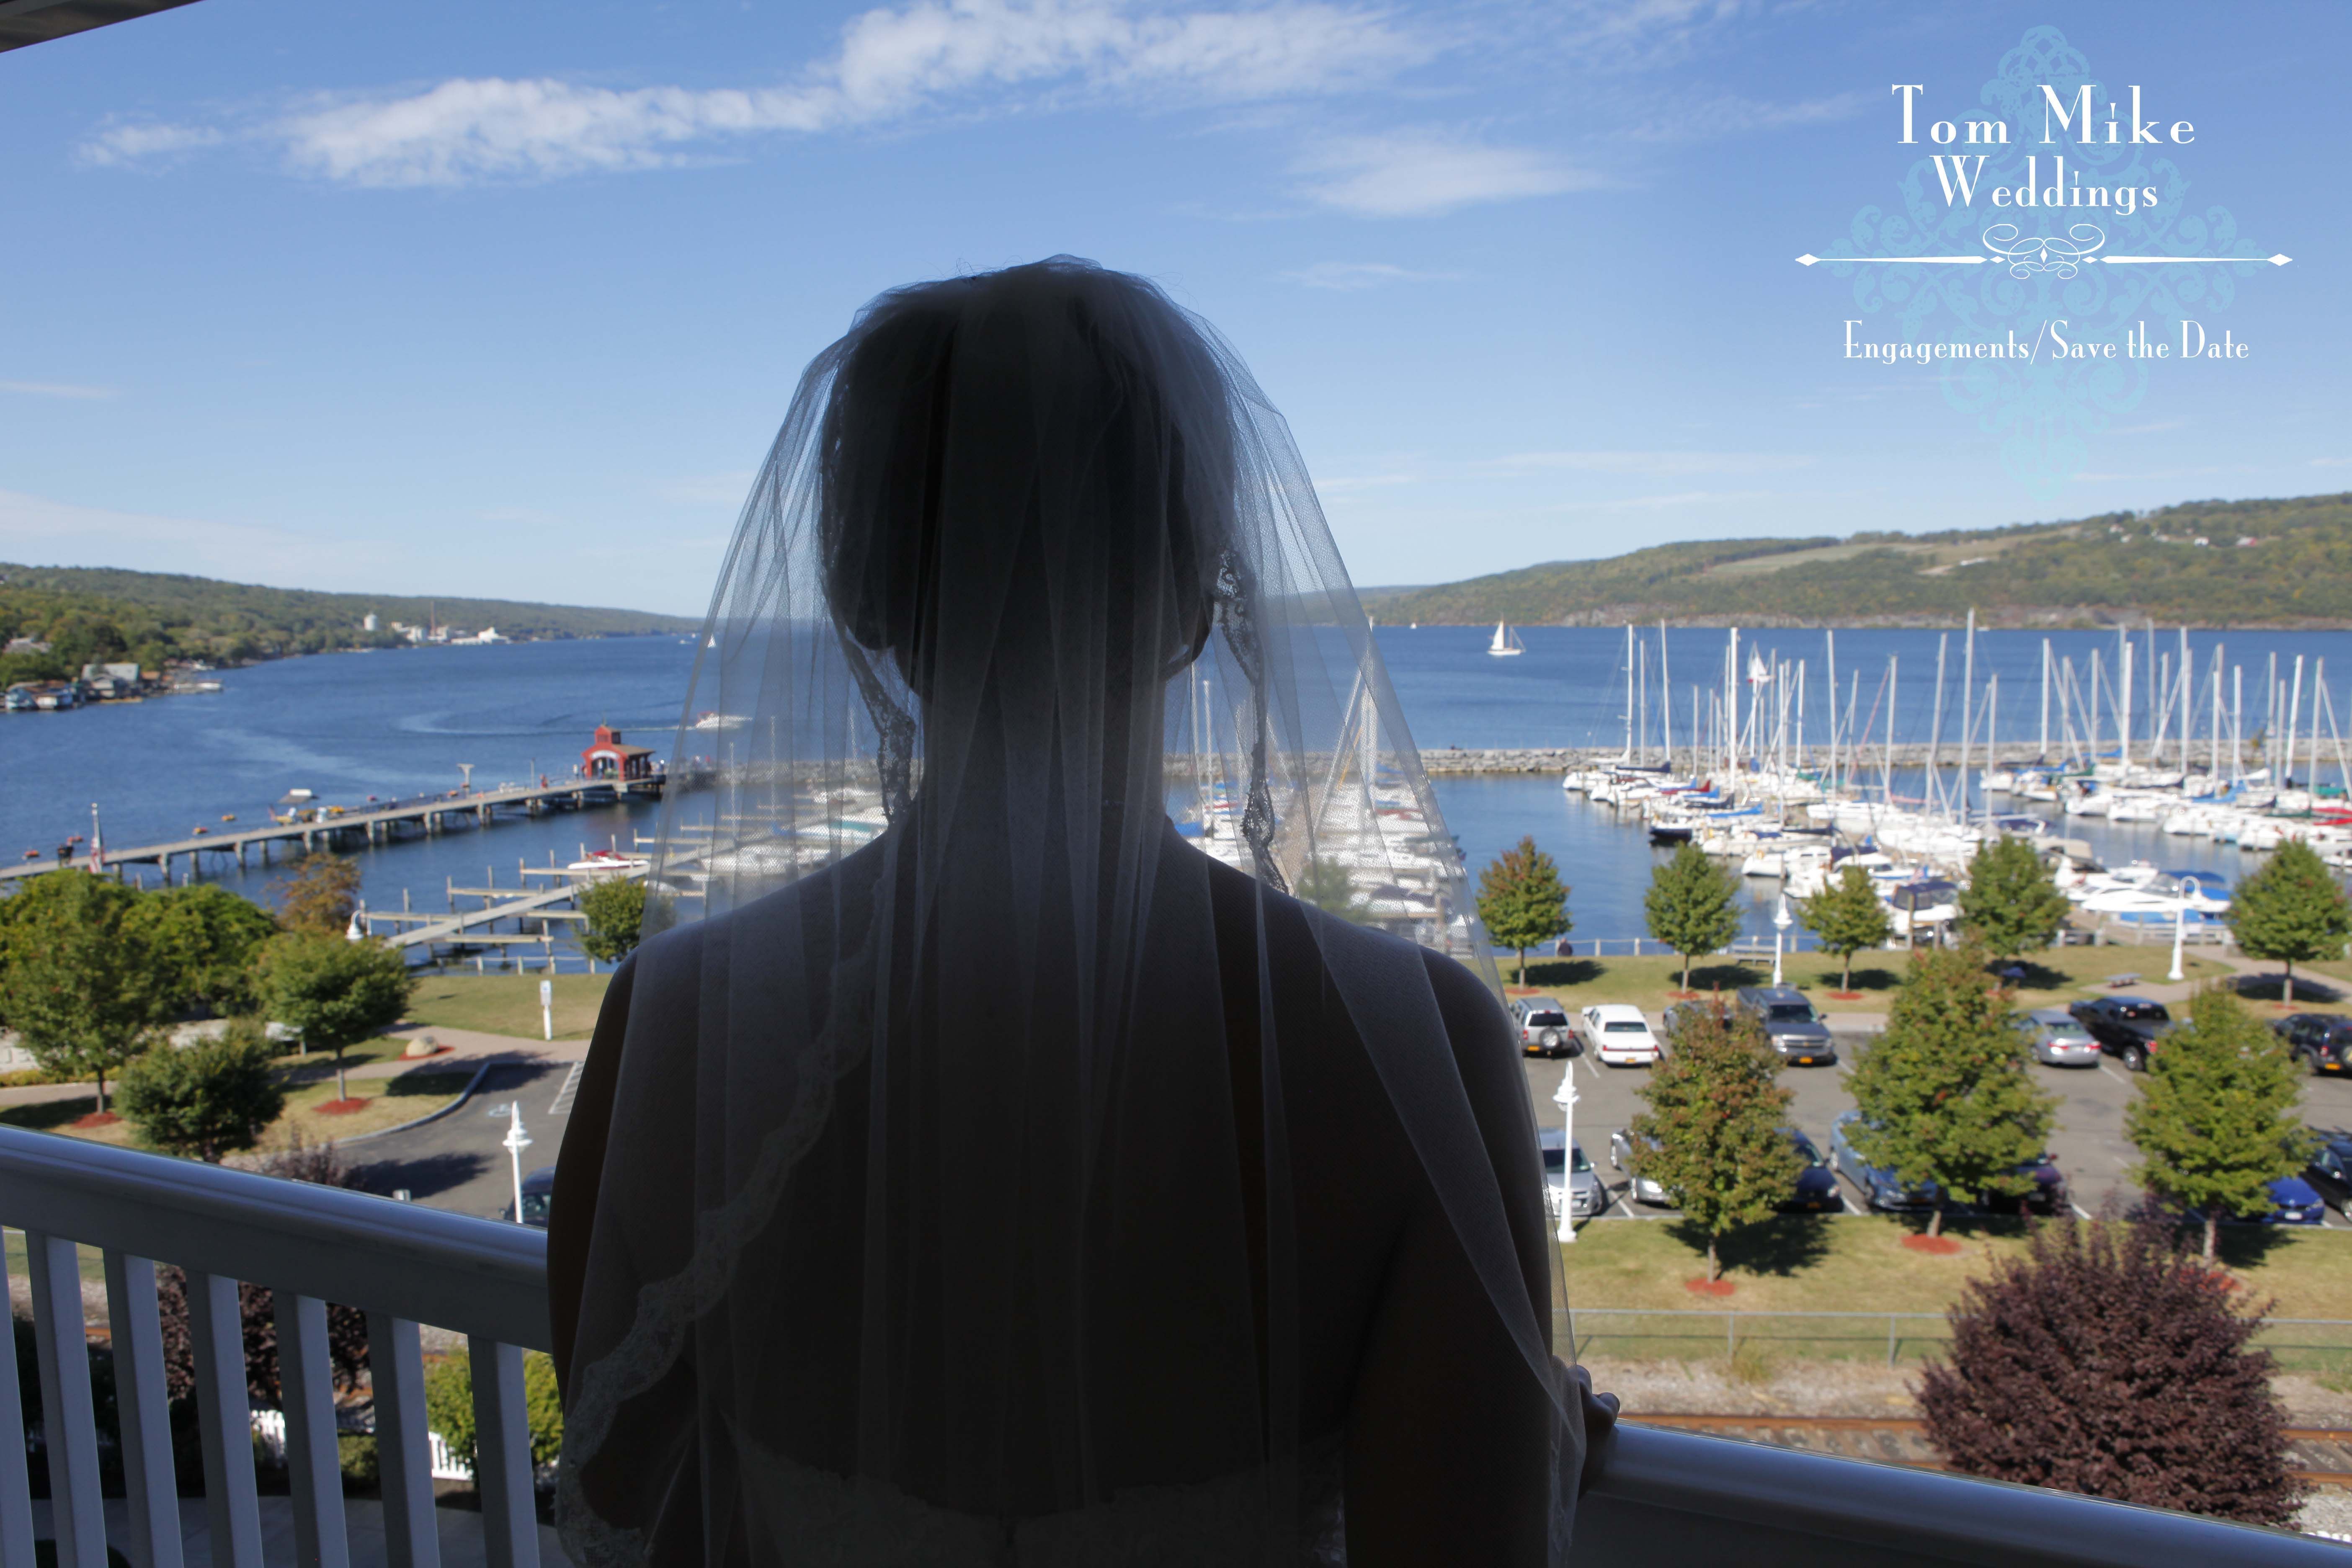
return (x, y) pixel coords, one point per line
(1544, 1028)
(2127, 1027)
(2330, 1171)
(2322, 1039)
(1620, 1036)
(2293, 1201)
(538, 1192)
(2058, 1039)
(1790, 1022)
(1816, 1189)
(1883, 1191)
(1565, 1164)
(1880, 1189)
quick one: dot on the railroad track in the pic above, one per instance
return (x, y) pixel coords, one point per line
(2320, 1455)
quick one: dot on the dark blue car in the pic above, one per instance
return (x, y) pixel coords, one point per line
(1882, 1190)
(2293, 1201)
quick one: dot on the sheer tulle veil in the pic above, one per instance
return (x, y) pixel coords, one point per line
(1031, 617)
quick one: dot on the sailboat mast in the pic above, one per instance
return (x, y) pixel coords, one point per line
(1629, 692)
(2294, 719)
(2188, 714)
(2044, 754)
(1665, 700)
(1935, 791)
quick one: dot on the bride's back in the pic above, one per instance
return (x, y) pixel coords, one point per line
(1026, 1160)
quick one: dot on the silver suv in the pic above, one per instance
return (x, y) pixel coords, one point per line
(1790, 1022)
(1543, 1026)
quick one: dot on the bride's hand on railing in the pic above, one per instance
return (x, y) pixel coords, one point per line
(1600, 1423)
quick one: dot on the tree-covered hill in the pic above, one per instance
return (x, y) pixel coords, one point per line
(2216, 564)
(88, 613)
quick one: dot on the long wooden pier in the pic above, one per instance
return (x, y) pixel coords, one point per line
(430, 816)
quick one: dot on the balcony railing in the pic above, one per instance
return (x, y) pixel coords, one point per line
(1665, 1497)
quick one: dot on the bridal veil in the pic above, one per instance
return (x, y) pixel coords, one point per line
(1031, 619)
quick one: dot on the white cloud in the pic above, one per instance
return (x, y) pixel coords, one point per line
(41, 531)
(1729, 114)
(890, 64)
(123, 143)
(54, 389)
(1408, 173)
(1657, 463)
(1352, 275)
(2331, 462)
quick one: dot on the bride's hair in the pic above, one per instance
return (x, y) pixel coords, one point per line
(962, 406)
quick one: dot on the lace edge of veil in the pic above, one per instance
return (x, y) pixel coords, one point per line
(666, 1308)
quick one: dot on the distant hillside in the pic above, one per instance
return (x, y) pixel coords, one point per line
(2183, 564)
(93, 612)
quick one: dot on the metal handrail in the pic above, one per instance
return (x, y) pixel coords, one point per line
(405, 1265)
(1665, 1496)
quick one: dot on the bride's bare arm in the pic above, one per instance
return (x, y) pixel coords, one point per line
(1448, 1455)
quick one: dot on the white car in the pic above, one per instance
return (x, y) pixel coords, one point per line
(1620, 1037)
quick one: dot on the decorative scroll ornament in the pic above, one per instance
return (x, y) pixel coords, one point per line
(2030, 253)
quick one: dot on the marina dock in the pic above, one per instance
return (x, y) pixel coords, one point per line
(329, 827)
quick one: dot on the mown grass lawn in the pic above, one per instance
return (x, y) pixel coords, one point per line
(1859, 1264)
(2052, 979)
(507, 1003)
(389, 1102)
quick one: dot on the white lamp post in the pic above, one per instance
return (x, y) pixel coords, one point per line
(1780, 923)
(1566, 1099)
(515, 1142)
(2179, 932)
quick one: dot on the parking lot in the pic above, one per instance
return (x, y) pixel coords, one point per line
(2089, 1141)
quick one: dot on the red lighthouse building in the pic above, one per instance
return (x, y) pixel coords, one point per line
(608, 758)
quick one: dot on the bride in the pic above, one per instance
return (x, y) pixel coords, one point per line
(982, 1168)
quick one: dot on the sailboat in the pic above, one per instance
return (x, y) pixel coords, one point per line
(1506, 643)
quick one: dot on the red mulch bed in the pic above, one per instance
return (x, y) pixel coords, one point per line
(97, 1119)
(341, 1107)
(1682, 996)
(1845, 996)
(1941, 1245)
(1708, 1287)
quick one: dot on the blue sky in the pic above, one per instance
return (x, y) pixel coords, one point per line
(508, 299)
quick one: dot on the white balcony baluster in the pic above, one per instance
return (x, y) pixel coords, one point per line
(502, 1458)
(68, 1424)
(141, 1409)
(224, 1421)
(404, 1460)
(307, 1383)
(16, 1482)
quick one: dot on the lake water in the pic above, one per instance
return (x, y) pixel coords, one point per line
(349, 726)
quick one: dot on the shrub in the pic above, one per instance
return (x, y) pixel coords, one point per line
(208, 1099)
(2105, 1362)
(615, 911)
(449, 1405)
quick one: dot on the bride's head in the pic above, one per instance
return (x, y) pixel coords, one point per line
(1028, 483)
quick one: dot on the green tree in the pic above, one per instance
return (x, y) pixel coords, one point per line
(1522, 901)
(205, 938)
(2291, 912)
(334, 992)
(2010, 906)
(1945, 1091)
(616, 908)
(320, 896)
(449, 1405)
(2215, 1121)
(1325, 883)
(76, 983)
(1847, 916)
(207, 1099)
(1712, 1136)
(1692, 906)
